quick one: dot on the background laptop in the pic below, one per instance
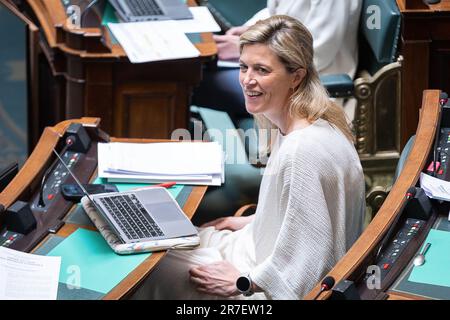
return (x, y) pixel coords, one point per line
(145, 10)
(140, 215)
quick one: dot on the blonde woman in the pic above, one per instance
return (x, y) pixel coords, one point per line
(311, 201)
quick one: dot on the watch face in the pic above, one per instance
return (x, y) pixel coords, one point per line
(243, 284)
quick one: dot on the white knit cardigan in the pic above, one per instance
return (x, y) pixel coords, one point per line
(310, 210)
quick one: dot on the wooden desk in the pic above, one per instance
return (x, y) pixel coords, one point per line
(26, 185)
(354, 264)
(82, 72)
(425, 46)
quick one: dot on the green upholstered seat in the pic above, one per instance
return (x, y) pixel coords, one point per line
(403, 157)
(231, 13)
(242, 180)
(379, 33)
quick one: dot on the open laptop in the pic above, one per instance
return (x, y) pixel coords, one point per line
(140, 215)
(145, 10)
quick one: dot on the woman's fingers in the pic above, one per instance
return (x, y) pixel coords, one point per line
(211, 223)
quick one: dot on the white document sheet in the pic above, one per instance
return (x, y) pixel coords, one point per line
(227, 64)
(435, 188)
(203, 21)
(25, 276)
(153, 41)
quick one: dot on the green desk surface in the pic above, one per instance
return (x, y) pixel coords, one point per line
(436, 268)
(88, 262)
(432, 279)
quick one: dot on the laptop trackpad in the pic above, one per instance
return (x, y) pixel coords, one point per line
(164, 212)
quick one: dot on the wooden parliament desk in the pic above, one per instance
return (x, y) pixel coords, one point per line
(425, 47)
(84, 72)
(59, 214)
(394, 281)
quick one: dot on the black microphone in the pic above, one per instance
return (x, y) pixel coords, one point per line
(70, 140)
(443, 98)
(419, 205)
(411, 193)
(327, 284)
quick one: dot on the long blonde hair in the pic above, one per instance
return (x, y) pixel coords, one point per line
(292, 43)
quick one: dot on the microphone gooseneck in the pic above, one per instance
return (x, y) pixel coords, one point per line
(86, 10)
(327, 284)
(70, 140)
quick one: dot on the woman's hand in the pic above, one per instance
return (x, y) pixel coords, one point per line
(227, 46)
(229, 223)
(217, 279)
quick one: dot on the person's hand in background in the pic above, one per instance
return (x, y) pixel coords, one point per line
(227, 47)
(236, 31)
(228, 44)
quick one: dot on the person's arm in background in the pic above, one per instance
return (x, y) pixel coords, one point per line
(328, 21)
(228, 44)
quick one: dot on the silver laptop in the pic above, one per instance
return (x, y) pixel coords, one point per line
(140, 215)
(145, 10)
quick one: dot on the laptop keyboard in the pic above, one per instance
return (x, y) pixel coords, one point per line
(144, 8)
(131, 216)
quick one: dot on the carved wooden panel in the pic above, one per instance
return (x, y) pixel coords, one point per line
(144, 111)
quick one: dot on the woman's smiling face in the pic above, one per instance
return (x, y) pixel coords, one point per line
(266, 83)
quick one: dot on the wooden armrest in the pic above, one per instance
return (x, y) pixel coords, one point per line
(243, 209)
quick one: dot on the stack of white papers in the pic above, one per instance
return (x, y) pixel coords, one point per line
(196, 163)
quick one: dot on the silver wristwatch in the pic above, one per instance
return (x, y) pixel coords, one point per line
(244, 285)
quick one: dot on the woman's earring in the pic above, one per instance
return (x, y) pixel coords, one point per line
(291, 95)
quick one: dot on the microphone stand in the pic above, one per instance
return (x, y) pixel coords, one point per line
(69, 141)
